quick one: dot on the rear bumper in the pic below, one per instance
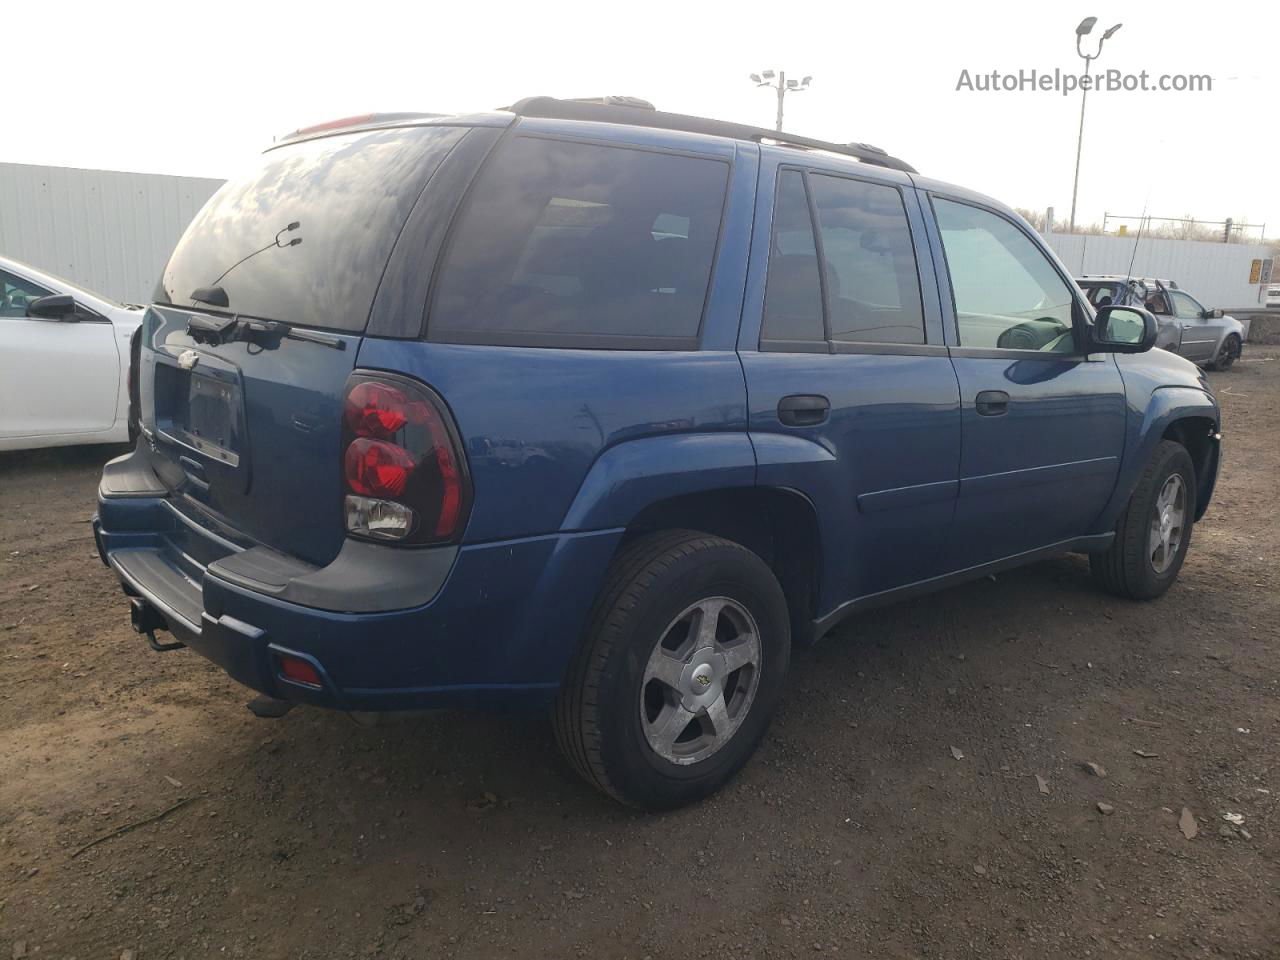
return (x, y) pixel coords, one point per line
(495, 626)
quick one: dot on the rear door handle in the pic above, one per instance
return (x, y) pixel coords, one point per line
(992, 403)
(803, 409)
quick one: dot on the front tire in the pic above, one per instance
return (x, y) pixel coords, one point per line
(1154, 532)
(1228, 354)
(680, 673)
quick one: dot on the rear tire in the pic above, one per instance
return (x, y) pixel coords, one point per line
(657, 710)
(1154, 532)
(1228, 354)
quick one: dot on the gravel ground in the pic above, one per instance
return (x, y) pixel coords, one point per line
(895, 810)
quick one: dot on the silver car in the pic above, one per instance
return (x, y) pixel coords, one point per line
(1206, 337)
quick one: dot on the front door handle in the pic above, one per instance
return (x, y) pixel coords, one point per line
(992, 403)
(803, 409)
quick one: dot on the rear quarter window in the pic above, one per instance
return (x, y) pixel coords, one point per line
(348, 195)
(565, 243)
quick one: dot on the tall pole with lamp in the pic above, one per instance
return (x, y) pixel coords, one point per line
(783, 86)
(1085, 27)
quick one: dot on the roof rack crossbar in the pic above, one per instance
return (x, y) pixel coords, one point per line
(618, 110)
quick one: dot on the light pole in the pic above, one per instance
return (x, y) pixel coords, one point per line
(765, 78)
(1086, 26)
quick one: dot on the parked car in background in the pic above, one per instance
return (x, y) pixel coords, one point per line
(589, 406)
(64, 361)
(1206, 337)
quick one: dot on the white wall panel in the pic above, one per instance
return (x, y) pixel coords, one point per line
(1217, 274)
(108, 231)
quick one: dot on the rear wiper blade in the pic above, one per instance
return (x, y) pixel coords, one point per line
(278, 328)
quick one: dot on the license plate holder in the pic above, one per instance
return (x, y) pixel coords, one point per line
(213, 404)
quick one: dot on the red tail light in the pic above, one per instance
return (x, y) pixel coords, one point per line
(376, 468)
(405, 476)
(378, 410)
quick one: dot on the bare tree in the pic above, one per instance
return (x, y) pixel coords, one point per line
(1038, 220)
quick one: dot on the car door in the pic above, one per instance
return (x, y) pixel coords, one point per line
(852, 398)
(1199, 334)
(1043, 422)
(57, 377)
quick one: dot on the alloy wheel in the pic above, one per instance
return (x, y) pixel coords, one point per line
(700, 680)
(1228, 353)
(1168, 519)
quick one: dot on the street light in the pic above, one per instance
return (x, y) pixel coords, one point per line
(1083, 30)
(783, 86)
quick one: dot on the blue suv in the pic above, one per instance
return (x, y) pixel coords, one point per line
(585, 405)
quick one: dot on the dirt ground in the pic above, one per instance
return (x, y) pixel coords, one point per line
(854, 832)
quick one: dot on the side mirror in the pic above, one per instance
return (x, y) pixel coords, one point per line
(57, 306)
(1214, 314)
(1119, 329)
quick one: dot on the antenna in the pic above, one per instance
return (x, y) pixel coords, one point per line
(1134, 256)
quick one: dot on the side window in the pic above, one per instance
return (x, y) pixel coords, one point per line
(1186, 306)
(1007, 293)
(873, 289)
(793, 292)
(573, 244)
(16, 293)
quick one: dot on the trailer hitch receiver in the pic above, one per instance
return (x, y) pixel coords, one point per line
(146, 620)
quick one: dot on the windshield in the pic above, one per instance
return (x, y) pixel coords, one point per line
(304, 237)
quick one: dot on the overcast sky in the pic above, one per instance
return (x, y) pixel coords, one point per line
(198, 88)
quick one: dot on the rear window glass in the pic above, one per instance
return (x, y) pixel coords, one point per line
(576, 244)
(344, 197)
(1102, 294)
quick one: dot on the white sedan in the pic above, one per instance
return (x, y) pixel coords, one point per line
(64, 361)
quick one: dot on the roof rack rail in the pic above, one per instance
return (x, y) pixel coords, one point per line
(640, 113)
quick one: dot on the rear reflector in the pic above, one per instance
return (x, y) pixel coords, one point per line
(299, 671)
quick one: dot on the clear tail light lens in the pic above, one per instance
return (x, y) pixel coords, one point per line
(404, 474)
(379, 519)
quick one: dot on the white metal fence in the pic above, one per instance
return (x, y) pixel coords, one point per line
(111, 232)
(1216, 274)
